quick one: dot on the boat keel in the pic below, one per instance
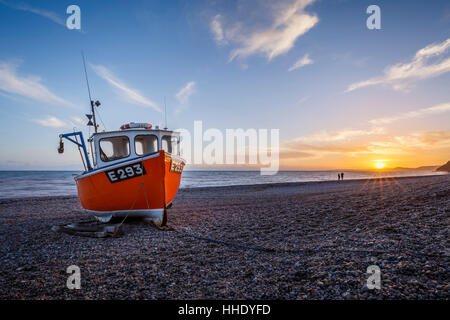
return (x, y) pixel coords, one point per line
(156, 216)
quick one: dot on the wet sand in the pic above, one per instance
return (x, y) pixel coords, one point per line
(284, 241)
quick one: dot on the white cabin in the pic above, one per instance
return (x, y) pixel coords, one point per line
(117, 146)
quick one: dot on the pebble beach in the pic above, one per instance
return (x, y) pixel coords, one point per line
(275, 241)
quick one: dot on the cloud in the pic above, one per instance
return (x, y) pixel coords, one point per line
(77, 121)
(376, 141)
(303, 61)
(341, 135)
(29, 86)
(386, 144)
(50, 121)
(288, 22)
(287, 153)
(443, 107)
(132, 95)
(435, 137)
(184, 94)
(343, 141)
(424, 139)
(428, 62)
(414, 143)
(217, 30)
(303, 99)
(41, 12)
(296, 147)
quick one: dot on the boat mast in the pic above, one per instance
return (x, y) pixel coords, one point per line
(165, 114)
(90, 99)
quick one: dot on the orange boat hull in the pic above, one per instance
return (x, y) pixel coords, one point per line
(142, 187)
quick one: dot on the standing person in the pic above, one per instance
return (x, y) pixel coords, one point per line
(339, 176)
(342, 176)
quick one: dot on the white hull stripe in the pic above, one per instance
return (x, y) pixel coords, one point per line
(175, 157)
(147, 213)
(124, 163)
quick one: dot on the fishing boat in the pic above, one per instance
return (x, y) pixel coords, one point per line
(135, 171)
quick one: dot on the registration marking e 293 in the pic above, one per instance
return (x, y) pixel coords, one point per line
(125, 172)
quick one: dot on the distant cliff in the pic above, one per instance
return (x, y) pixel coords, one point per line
(423, 168)
(445, 167)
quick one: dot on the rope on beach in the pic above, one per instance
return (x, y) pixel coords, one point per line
(227, 243)
(96, 230)
(142, 184)
(306, 251)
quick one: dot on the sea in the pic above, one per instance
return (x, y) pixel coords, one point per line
(20, 184)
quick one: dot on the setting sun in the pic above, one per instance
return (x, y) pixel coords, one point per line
(379, 165)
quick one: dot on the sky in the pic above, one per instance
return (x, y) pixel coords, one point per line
(343, 96)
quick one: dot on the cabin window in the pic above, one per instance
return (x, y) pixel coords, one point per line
(170, 144)
(114, 148)
(145, 144)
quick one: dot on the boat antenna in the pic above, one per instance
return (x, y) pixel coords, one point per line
(165, 113)
(97, 103)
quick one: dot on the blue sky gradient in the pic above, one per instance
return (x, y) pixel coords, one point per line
(157, 48)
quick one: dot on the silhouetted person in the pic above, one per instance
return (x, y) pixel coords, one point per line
(339, 176)
(342, 176)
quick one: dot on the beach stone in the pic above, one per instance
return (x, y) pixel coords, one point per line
(323, 240)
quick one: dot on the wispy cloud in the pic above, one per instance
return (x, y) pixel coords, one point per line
(340, 135)
(349, 134)
(409, 144)
(286, 153)
(50, 121)
(428, 62)
(311, 149)
(132, 95)
(288, 22)
(303, 61)
(424, 139)
(348, 141)
(413, 144)
(184, 94)
(375, 140)
(441, 108)
(77, 121)
(303, 99)
(28, 86)
(41, 12)
(217, 30)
